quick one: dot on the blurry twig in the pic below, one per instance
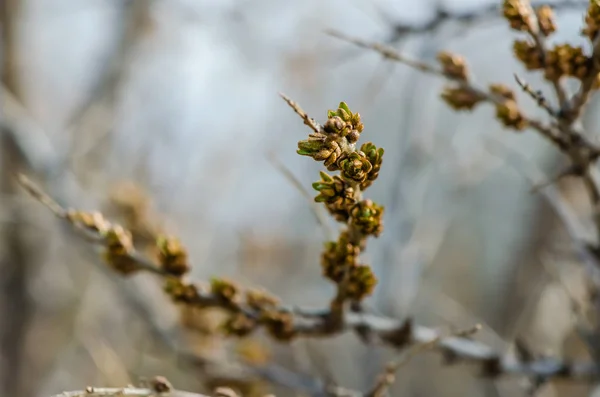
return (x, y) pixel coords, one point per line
(315, 209)
(539, 98)
(307, 120)
(388, 377)
(467, 19)
(135, 17)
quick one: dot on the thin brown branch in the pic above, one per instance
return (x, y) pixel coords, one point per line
(388, 377)
(315, 209)
(389, 53)
(537, 96)
(442, 17)
(391, 332)
(386, 52)
(307, 120)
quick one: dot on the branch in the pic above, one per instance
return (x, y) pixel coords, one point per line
(537, 96)
(307, 120)
(391, 332)
(442, 17)
(481, 94)
(123, 392)
(389, 375)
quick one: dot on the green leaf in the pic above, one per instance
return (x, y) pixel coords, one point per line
(304, 152)
(344, 115)
(331, 113)
(344, 106)
(325, 177)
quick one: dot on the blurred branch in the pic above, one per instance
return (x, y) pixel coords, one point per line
(315, 209)
(442, 17)
(394, 333)
(537, 96)
(135, 21)
(9, 12)
(16, 257)
(389, 375)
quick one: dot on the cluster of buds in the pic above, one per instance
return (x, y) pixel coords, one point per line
(461, 98)
(545, 19)
(561, 60)
(592, 20)
(518, 14)
(458, 96)
(355, 166)
(338, 256)
(264, 311)
(375, 157)
(337, 195)
(340, 260)
(344, 123)
(507, 111)
(226, 292)
(367, 217)
(172, 256)
(453, 66)
(181, 292)
(529, 54)
(239, 324)
(279, 324)
(118, 247)
(340, 132)
(117, 242)
(566, 60)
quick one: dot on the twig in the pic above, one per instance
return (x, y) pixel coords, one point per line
(389, 375)
(537, 96)
(386, 52)
(315, 209)
(307, 120)
(443, 17)
(570, 171)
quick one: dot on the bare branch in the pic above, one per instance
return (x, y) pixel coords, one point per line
(307, 120)
(537, 96)
(388, 377)
(443, 17)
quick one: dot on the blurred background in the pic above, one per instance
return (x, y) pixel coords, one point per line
(165, 115)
